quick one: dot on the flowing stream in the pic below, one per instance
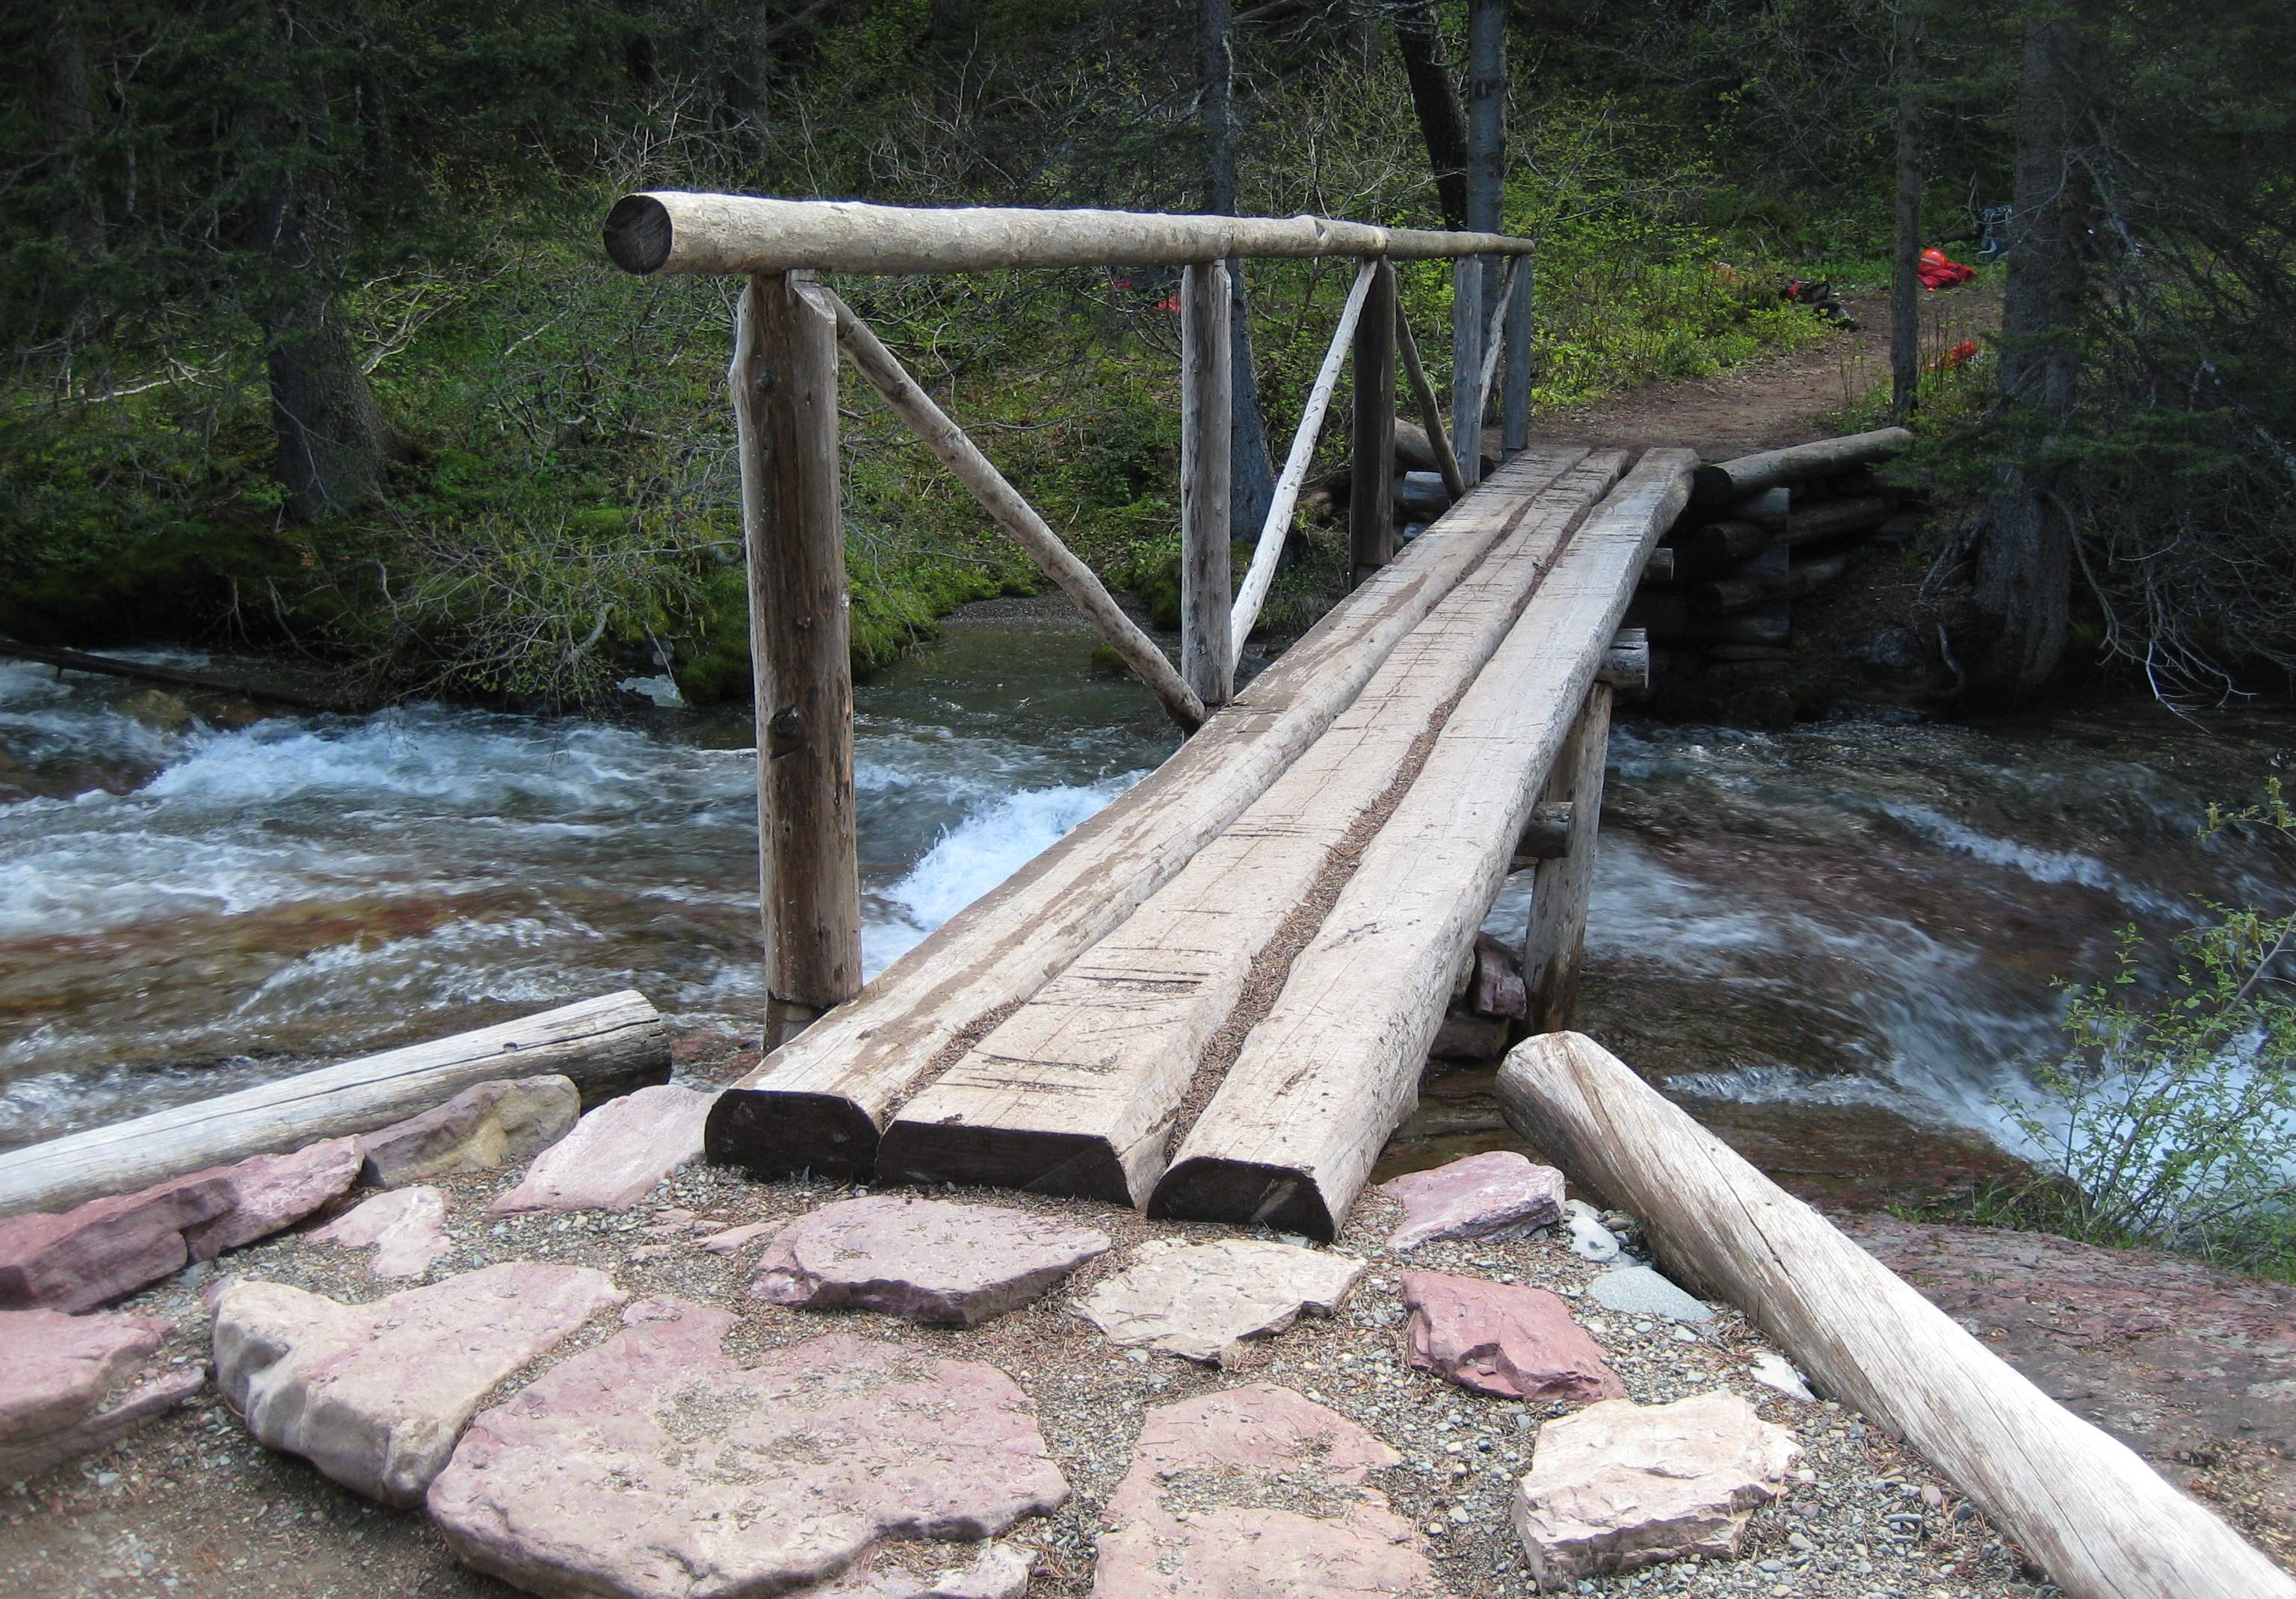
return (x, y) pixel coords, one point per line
(1838, 944)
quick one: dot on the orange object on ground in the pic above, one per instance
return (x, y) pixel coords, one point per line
(1936, 272)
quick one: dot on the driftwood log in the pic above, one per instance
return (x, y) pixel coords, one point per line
(137, 671)
(1332, 1071)
(671, 231)
(1749, 474)
(2087, 1507)
(818, 1103)
(1077, 1091)
(606, 1045)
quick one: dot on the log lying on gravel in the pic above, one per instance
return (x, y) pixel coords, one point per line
(819, 1101)
(1749, 474)
(606, 1045)
(2087, 1507)
(1077, 1091)
(1333, 1068)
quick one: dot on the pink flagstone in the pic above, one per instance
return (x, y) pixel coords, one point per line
(275, 1192)
(70, 1385)
(407, 1228)
(616, 1155)
(1256, 1493)
(1517, 1343)
(1498, 1195)
(921, 1259)
(656, 1466)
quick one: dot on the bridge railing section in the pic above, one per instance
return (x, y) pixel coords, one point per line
(790, 328)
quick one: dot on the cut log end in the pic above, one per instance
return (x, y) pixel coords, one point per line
(771, 1134)
(1034, 1162)
(638, 234)
(1243, 1193)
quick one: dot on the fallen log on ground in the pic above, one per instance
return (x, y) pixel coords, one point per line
(1333, 1068)
(1077, 1091)
(820, 1102)
(2092, 1513)
(606, 1045)
(76, 661)
(1720, 484)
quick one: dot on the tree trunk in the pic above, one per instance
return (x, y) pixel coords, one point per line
(1905, 284)
(2024, 553)
(1252, 473)
(1420, 42)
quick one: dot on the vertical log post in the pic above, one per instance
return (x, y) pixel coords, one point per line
(1515, 406)
(1207, 408)
(1558, 894)
(1467, 366)
(1371, 442)
(785, 385)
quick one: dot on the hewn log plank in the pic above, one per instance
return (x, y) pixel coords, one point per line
(673, 231)
(1253, 591)
(2079, 1502)
(605, 1045)
(1077, 1091)
(1727, 481)
(1553, 943)
(1334, 1068)
(1207, 461)
(956, 451)
(1371, 433)
(818, 1103)
(784, 387)
(1430, 409)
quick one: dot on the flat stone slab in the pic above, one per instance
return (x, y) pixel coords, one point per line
(407, 1228)
(77, 1259)
(1514, 1342)
(1644, 1290)
(70, 1385)
(485, 1125)
(1201, 1300)
(616, 1155)
(924, 1259)
(1620, 1485)
(732, 1240)
(1259, 1493)
(654, 1466)
(1498, 1195)
(998, 1571)
(375, 1395)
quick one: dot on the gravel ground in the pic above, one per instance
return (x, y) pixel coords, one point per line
(192, 1506)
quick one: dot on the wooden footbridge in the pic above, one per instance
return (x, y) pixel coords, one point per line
(1215, 998)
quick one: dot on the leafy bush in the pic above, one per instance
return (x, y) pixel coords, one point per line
(2173, 1120)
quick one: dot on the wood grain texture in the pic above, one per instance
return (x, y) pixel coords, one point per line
(1078, 1090)
(1371, 437)
(2080, 1502)
(1430, 409)
(956, 450)
(1514, 404)
(1729, 480)
(1467, 367)
(677, 231)
(785, 385)
(605, 1045)
(818, 1103)
(1207, 466)
(1554, 940)
(1334, 1068)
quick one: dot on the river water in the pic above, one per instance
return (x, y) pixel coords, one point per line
(1838, 944)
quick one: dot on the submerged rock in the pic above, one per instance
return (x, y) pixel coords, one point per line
(1201, 1300)
(924, 1259)
(70, 1385)
(655, 1466)
(485, 1125)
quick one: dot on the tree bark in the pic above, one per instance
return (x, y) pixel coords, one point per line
(1420, 42)
(2024, 553)
(1904, 282)
(1252, 473)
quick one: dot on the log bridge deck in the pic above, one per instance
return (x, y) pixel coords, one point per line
(1215, 998)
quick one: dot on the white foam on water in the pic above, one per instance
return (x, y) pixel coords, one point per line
(2032, 862)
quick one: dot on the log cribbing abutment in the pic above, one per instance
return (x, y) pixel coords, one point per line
(1077, 1091)
(605, 1045)
(956, 450)
(1720, 484)
(2084, 1505)
(672, 231)
(819, 1101)
(1333, 1069)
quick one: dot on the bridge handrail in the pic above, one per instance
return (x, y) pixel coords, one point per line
(674, 231)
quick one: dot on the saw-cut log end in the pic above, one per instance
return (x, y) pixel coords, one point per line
(770, 1134)
(1243, 1193)
(1709, 485)
(1050, 1163)
(638, 234)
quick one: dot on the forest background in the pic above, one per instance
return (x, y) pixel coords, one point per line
(224, 217)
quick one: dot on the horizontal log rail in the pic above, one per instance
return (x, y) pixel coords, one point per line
(670, 231)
